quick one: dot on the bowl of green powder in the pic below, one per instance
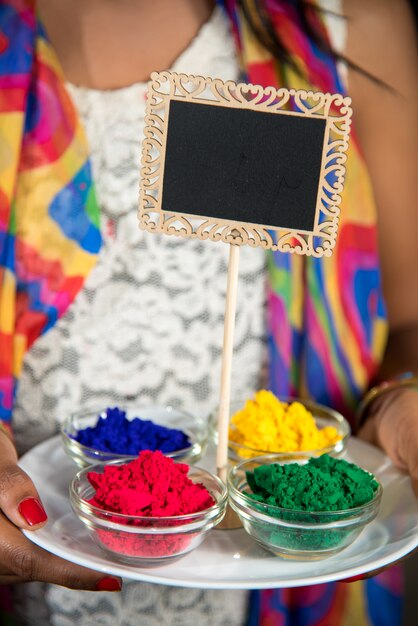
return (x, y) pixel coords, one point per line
(303, 510)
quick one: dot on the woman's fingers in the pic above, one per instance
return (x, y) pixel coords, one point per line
(394, 428)
(10, 580)
(407, 436)
(21, 560)
(19, 499)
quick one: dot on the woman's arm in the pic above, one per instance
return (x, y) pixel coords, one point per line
(382, 40)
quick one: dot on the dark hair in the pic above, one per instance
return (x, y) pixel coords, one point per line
(259, 20)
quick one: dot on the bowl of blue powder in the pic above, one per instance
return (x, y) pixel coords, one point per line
(114, 433)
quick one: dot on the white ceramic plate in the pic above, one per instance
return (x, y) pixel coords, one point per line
(230, 559)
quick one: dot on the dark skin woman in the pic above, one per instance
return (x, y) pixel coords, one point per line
(106, 44)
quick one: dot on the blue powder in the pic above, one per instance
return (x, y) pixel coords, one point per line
(115, 433)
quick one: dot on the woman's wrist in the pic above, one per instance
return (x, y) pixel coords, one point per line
(376, 394)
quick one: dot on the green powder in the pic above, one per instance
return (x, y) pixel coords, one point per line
(322, 484)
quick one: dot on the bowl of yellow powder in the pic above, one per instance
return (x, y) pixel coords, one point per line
(293, 429)
(305, 510)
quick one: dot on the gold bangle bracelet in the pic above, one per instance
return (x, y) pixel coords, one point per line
(7, 431)
(376, 392)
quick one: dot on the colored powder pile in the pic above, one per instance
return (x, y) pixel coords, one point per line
(265, 423)
(120, 435)
(322, 484)
(150, 486)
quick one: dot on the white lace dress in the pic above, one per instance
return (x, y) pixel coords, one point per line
(147, 327)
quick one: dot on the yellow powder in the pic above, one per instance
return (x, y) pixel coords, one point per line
(265, 423)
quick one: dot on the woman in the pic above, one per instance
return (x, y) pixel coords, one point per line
(118, 334)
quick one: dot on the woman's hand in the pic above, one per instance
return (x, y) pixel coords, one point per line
(393, 426)
(20, 559)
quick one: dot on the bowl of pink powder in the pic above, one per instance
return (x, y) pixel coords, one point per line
(148, 510)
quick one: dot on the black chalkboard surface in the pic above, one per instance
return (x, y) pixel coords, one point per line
(242, 165)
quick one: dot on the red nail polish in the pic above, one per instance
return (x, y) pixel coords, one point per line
(108, 584)
(353, 579)
(33, 511)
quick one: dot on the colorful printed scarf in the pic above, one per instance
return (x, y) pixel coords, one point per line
(326, 316)
(327, 326)
(49, 234)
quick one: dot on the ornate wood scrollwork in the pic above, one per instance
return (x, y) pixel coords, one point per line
(334, 108)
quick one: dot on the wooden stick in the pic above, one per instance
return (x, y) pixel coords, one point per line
(226, 366)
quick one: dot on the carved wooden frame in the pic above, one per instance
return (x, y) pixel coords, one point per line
(166, 86)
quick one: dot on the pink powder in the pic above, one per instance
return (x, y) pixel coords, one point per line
(150, 486)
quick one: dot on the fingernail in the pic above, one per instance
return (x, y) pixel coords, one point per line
(33, 511)
(353, 579)
(108, 584)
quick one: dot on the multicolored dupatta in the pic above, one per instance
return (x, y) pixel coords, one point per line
(49, 235)
(326, 316)
(327, 326)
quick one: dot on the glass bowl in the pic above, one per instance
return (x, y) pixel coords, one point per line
(146, 541)
(195, 428)
(323, 415)
(301, 535)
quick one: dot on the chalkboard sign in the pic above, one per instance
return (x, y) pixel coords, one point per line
(243, 164)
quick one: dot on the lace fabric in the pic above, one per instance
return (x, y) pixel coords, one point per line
(147, 327)
(138, 603)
